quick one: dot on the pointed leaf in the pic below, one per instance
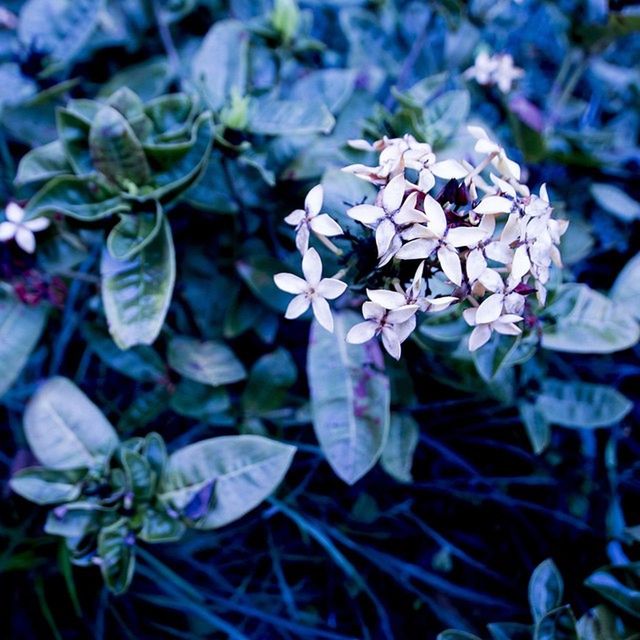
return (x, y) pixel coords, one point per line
(46, 486)
(243, 471)
(134, 232)
(349, 398)
(65, 430)
(136, 293)
(545, 589)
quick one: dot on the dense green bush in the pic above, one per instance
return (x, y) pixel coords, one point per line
(462, 176)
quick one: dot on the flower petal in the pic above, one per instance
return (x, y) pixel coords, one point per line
(312, 267)
(385, 298)
(322, 312)
(435, 214)
(37, 224)
(14, 212)
(290, 283)
(402, 314)
(325, 225)
(297, 307)
(7, 231)
(465, 236)
(417, 249)
(384, 235)
(493, 205)
(490, 309)
(450, 263)
(331, 288)
(296, 217)
(404, 329)
(391, 342)
(521, 263)
(479, 336)
(448, 170)
(476, 264)
(313, 201)
(362, 332)
(393, 193)
(25, 239)
(366, 213)
(302, 239)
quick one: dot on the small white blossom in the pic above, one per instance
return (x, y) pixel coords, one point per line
(388, 218)
(312, 290)
(310, 219)
(437, 236)
(507, 168)
(393, 326)
(16, 228)
(482, 331)
(497, 69)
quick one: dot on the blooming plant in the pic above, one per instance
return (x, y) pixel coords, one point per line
(319, 319)
(483, 243)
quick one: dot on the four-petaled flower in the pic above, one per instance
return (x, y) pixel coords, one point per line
(390, 217)
(393, 325)
(16, 228)
(310, 219)
(497, 69)
(436, 236)
(312, 290)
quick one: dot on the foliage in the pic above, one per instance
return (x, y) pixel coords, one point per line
(167, 166)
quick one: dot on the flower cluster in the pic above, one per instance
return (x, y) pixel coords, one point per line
(477, 237)
(497, 70)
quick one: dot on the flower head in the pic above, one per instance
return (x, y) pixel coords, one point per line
(310, 219)
(16, 228)
(312, 290)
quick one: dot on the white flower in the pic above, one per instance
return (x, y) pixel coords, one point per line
(494, 70)
(14, 227)
(486, 248)
(436, 236)
(507, 168)
(310, 219)
(389, 218)
(313, 290)
(393, 326)
(482, 331)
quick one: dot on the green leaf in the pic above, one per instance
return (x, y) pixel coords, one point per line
(495, 355)
(598, 624)
(134, 232)
(545, 589)
(65, 430)
(183, 169)
(509, 631)
(43, 163)
(210, 362)
(136, 293)
(615, 201)
(150, 78)
(257, 271)
(559, 624)
(144, 408)
(626, 288)
(349, 398)
(397, 455)
(141, 363)
(537, 427)
(80, 198)
(220, 65)
(619, 585)
(443, 116)
(116, 553)
(588, 322)
(271, 117)
(268, 382)
(158, 526)
(73, 129)
(138, 472)
(581, 404)
(74, 520)
(115, 150)
(20, 330)
(452, 634)
(242, 471)
(200, 401)
(333, 86)
(46, 486)
(62, 28)
(129, 104)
